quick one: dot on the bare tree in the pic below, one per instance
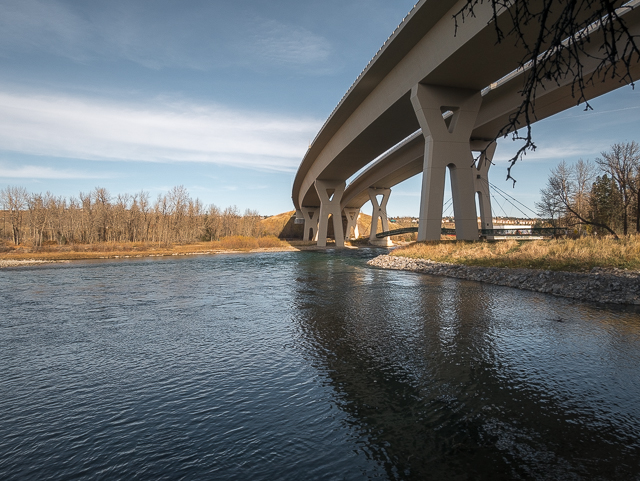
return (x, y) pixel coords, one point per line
(583, 174)
(563, 192)
(100, 217)
(61, 219)
(145, 210)
(230, 221)
(213, 223)
(622, 163)
(40, 210)
(556, 38)
(250, 223)
(550, 206)
(102, 205)
(178, 199)
(14, 200)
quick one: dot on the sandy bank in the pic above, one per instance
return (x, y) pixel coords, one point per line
(612, 286)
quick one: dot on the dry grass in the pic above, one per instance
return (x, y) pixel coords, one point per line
(275, 225)
(559, 255)
(270, 241)
(237, 242)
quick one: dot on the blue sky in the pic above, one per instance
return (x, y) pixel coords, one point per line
(221, 97)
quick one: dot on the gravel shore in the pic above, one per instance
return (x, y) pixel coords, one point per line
(611, 286)
(21, 263)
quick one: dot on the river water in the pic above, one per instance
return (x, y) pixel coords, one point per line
(307, 366)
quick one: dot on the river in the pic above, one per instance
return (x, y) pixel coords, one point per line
(307, 365)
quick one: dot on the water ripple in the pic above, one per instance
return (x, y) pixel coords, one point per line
(307, 365)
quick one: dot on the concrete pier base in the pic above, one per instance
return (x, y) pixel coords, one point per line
(379, 213)
(310, 215)
(486, 149)
(447, 117)
(352, 223)
(330, 193)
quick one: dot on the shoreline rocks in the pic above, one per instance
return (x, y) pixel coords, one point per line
(606, 286)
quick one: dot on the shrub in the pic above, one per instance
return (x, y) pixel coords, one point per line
(270, 241)
(239, 242)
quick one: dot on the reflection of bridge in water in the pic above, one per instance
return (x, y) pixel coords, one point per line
(432, 100)
(449, 379)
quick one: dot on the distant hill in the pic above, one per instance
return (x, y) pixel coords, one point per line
(284, 226)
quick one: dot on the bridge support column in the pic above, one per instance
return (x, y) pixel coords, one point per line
(352, 223)
(310, 215)
(379, 212)
(330, 193)
(486, 149)
(447, 117)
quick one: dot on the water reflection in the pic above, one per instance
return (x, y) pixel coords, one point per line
(458, 379)
(308, 365)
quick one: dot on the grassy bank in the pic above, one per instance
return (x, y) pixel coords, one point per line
(557, 255)
(139, 249)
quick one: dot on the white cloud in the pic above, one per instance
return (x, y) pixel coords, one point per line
(38, 172)
(546, 150)
(163, 131)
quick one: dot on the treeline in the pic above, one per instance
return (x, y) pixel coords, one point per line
(97, 216)
(600, 197)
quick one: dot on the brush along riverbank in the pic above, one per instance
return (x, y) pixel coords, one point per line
(598, 270)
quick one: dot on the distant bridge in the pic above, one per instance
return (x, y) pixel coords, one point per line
(515, 232)
(429, 98)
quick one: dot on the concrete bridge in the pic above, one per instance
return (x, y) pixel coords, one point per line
(425, 103)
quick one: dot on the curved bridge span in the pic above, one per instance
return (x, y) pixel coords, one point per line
(429, 98)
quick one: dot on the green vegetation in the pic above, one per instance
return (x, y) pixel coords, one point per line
(581, 254)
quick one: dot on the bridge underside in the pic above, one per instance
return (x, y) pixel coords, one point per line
(425, 111)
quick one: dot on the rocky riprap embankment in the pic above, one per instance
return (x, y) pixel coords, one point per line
(601, 285)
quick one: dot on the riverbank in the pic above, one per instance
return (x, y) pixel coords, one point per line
(25, 262)
(601, 285)
(26, 256)
(567, 255)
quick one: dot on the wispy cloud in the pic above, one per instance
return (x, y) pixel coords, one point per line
(192, 36)
(288, 45)
(547, 150)
(160, 131)
(38, 172)
(35, 24)
(56, 28)
(120, 31)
